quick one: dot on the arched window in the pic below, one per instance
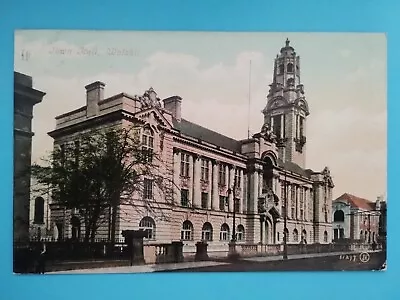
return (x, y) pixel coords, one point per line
(338, 216)
(147, 144)
(295, 235)
(325, 237)
(149, 226)
(187, 231)
(281, 69)
(240, 233)
(39, 211)
(224, 234)
(206, 232)
(304, 236)
(290, 68)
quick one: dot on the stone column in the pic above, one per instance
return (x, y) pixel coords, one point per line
(282, 124)
(230, 185)
(242, 193)
(255, 192)
(210, 183)
(260, 182)
(191, 181)
(176, 196)
(262, 231)
(196, 181)
(306, 204)
(215, 191)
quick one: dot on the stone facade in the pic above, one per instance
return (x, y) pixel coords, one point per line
(25, 97)
(356, 218)
(213, 173)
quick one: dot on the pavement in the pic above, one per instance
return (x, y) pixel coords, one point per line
(314, 261)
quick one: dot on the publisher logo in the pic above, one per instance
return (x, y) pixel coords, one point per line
(364, 257)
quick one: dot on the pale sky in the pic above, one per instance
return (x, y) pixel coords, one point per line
(344, 77)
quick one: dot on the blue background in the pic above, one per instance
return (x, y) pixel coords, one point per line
(288, 15)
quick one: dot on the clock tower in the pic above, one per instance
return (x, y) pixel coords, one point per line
(287, 109)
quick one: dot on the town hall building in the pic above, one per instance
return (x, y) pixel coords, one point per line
(263, 178)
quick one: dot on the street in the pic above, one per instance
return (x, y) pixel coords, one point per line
(328, 263)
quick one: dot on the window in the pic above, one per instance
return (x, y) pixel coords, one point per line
(290, 68)
(184, 197)
(304, 236)
(222, 202)
(277, 126)
(361, 235)
(295, 236)
(39, 211)
(204, 200)
(147, 144)
(187, 231)
(206, 232)
(237, 178)
(240, 233)
(204, 169)
(338, 216)
(224, 234)
(222, 174)
(237, 205)
(148, 189)
(147, 224)
(185, 165)
(281, 69)
(325, 237)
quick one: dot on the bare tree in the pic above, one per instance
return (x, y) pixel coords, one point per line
(102, 170)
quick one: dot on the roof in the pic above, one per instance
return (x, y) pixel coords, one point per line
(295, 168)
(357, 202)
(207, 135)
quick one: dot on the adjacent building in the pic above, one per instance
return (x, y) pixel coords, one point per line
(355, 218)
(259, 177)
(25, 97)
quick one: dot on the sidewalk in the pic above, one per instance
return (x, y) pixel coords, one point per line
(143, 268)
(189, 265)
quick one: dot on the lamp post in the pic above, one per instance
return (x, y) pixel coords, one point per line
(232, 245)
(230, 191)
(285, 252)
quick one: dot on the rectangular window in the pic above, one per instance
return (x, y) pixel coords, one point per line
(222, 202)
(204, 169)
(185, 165)
(277, 125)
(204, 200)
(185, 197)
(148, 189)
(237, 178)
(222, 174)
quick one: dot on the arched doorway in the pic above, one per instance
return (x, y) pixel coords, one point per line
(269, 232)
(268, 167)
(75, 228)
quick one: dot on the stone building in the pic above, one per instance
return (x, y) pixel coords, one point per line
(214, 174)
(355, 218)
(25, 97)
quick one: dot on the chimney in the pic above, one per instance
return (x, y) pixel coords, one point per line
(173, 105)
(94, 94)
